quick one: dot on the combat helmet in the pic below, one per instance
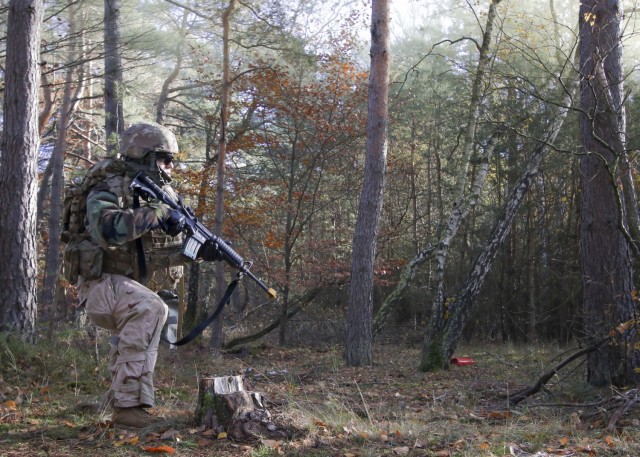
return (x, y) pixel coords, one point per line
(140, 139)
(143, 143)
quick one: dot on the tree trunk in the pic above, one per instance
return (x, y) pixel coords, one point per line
(113, 107)
(164, 93)
(288, 247)
(217, 335)
(48, 103)
(430, 357)
(605, 251)
(360, 308)
(18, 174)
(426, 254)
(298, 305)
(443, 345)
(52, 259)
(532, 309)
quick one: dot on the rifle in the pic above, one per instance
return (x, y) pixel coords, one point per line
(197, 234)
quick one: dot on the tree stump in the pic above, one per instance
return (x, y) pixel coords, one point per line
(225, 406)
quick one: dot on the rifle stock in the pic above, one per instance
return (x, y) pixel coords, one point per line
(197, 233)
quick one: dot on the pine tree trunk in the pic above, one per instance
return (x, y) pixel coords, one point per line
(163, 98)
(52, 259)
(113, 103)
(18, 174)
(217, 335)
(605, 251)
(360, 308)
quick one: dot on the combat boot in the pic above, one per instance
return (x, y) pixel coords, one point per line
(136, 417)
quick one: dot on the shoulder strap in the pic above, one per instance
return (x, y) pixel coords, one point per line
(204, 324)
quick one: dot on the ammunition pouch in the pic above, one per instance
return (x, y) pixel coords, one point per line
(82, 257)
(119, 261)
(164, 265)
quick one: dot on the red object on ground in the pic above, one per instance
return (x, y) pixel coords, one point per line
(460, 361)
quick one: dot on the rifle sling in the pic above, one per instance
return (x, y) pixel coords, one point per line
(142, 264)
(204, 324)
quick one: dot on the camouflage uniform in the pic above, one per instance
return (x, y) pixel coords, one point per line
(116, 300)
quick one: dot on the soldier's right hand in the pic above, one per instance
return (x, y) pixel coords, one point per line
(173, 222)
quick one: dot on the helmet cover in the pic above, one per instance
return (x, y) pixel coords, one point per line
(140, 139)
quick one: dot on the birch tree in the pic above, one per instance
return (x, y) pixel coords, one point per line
(431, 356)
(459, 309)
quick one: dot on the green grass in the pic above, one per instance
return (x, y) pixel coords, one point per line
(324, 407)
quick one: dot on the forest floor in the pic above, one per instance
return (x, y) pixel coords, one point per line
(325, 407)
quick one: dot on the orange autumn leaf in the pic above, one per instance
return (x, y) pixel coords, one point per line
(500, 414)
(10, 404)
(167, 449)
(609, 441)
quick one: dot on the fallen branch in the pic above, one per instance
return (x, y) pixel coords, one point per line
(630, 399)
(303, 302)
(621, 330)
(260, 333)
(547, 375)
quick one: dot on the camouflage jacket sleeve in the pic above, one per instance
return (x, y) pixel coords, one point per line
(110, 224)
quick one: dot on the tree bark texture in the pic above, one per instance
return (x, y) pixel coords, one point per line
(458, 213)
(605, 251)
(163, 98)
(217, 335)
(426, 254)
(113, 107)
(224, 406)
(360, 308)
(18, 174)
(444, 343)
(52, 260)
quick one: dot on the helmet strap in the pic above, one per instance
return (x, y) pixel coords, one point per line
(158, 174)
(149, 165)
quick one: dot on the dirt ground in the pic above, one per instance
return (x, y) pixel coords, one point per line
(320, 406)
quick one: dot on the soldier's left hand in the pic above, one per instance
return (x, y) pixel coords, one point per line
(209, 251)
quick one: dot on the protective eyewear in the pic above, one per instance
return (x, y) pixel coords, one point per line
(168, 160)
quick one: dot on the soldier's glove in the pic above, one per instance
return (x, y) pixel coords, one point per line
(209, 252)
(173, 223)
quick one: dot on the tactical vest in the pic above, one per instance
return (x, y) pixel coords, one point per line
(89, 258)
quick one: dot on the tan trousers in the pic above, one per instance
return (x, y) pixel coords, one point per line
(135, 315)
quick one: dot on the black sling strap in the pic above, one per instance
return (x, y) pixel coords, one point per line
(204, 324)
(142, 264)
